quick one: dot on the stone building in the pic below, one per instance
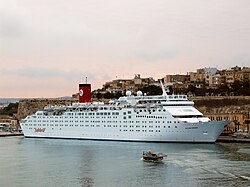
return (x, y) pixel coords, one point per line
(240, 120)
(205, 76)
(122, 85)
(243, 74)
(7, 123)
(176, 78)
(197, 76)
(236, 73)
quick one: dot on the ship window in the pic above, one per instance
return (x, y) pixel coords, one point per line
(129, 112)
(129, 117)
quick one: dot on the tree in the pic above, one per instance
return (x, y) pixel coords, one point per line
(236, 86)
(108, 95)
(99, 95)
(223, 89)
(245, 90)
(152, 90)
(10, 109)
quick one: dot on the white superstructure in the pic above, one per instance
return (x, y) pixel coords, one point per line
(164, 118)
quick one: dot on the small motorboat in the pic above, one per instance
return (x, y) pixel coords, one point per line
(153, 156)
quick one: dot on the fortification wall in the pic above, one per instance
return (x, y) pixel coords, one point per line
(28, 107)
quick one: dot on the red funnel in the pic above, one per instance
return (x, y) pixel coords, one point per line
(85, 93)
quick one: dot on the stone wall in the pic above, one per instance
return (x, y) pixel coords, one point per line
(30, 106)
(236, 109)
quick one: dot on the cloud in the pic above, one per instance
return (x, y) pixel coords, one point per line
(52, 75)
(45, 73)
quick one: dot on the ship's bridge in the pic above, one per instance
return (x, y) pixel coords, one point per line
(181, 111)
(153, 99)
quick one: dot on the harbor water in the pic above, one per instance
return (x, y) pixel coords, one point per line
(84, 163)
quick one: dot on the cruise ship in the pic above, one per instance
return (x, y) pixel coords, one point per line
(161, 118)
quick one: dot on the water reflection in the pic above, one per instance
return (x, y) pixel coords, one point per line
(235, 152)
(87, 182)
(86, 165)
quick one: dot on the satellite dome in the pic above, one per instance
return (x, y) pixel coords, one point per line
(128, 93)
(139, 93)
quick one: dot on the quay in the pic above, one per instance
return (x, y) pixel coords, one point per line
(231, 139)
(4, 134)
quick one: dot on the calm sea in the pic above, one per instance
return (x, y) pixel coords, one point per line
(52, 162)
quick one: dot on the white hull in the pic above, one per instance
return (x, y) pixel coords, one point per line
(179, 132)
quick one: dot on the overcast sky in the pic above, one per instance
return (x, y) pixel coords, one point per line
(48, 47)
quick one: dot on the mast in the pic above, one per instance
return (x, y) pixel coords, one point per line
(163, 90)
